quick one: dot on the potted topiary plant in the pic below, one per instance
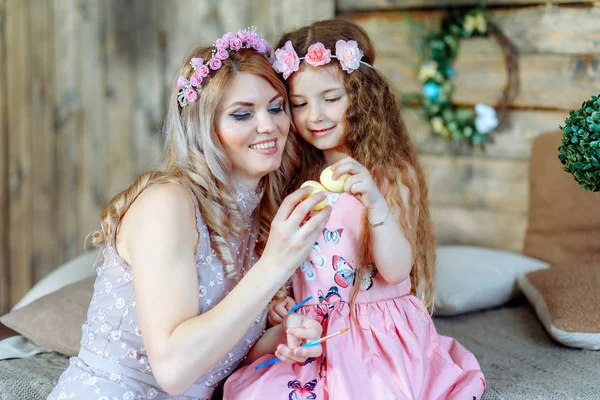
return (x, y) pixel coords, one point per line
(580, 147)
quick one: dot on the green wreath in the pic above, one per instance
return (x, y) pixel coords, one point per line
(471, 126)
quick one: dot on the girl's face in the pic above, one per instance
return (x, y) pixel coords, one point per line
(319, 102)
(252, 127)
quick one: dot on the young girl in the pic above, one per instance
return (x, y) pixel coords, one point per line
(372, 268)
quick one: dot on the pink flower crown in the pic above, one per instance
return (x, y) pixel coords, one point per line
(243, 39)
(348, 54)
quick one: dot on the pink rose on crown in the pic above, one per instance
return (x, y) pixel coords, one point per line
(260, 46)
(191, 95)
(348, 54)
(221, 43)
(235, 44)
(221, 53)
(242, 34)
(318, 55)
(202, 70)
(253, 38)
(195, 79)
(228, 36)
(215, 64)
(286, 60)
(196, 62)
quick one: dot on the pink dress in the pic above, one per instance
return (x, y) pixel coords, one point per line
(394, 354)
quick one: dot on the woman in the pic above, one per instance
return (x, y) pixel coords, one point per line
(181, 297)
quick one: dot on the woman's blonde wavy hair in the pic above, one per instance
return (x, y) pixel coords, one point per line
(194, 157)
(378, 139)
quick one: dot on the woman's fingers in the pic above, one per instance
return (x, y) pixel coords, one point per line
(290, 202)
(312, 228)
(305, 207)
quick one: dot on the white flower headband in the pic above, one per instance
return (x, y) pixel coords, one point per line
(243, 39)
(348, 54)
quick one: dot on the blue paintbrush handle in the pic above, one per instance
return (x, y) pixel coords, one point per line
(297, 306)
(309, 344)
(274, 360)
(266, 364)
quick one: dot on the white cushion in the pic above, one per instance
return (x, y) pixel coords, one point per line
(19, 347)
(72, 271)
(474, 278)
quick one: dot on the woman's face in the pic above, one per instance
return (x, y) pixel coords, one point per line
(252, 127)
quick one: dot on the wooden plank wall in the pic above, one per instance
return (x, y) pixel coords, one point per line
(481, 197)
(4, 273)
(354, 5)
(87, 82)
(83, 90)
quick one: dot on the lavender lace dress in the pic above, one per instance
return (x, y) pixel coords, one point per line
(112, 363)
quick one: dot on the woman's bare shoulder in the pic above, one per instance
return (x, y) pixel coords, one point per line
(162, 212)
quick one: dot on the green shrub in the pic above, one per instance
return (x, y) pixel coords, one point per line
(580, 147)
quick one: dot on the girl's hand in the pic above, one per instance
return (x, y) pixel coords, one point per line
(299, 329)
(360, 184)
(295, 229)
(278, 310)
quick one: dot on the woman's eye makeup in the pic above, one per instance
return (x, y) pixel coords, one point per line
(276, 109)
(241, 116)
(245, 115)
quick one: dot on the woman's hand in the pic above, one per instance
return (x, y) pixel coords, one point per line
(361, 185)
(279, 309)
(295, 229)
(299, 329)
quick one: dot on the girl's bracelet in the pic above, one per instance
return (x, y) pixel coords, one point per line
(380, 223)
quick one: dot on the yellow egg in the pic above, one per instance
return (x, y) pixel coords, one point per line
(333, 185)
(316, 187)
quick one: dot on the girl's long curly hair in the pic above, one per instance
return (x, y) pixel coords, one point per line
(378, 139)
(194, 157)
